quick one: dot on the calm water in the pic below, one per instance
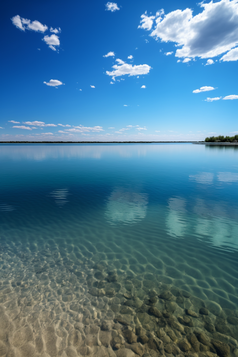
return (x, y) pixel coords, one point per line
(81, 225)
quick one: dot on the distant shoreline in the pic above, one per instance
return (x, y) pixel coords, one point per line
(95, 142)
(122, 142)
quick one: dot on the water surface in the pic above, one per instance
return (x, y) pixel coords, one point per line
(84, 228)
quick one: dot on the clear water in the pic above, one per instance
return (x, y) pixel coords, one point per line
(152, 216)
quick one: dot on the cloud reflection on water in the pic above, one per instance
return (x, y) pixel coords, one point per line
(126, 206)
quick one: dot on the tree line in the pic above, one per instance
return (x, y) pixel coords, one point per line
(223, 139)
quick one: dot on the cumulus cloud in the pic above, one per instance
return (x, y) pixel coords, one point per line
(110, 54)
(38, 123)
(139, 128)
(25, 24)
(52, 41)
(111, 6)
(13, 121)
(212, 99)
(208, 34)
(169, 53)
(1, 127)
(143, 86)
(209, 62)
(21, 127)
(122, 69)
(230, 56)
(47, 134)
(130, 57)
(186, 60)
(203, 89)
(92, 86)
(64, 125)
(56, 30)
(53, 83)
(231, 97)
(83, 129)
(147, 21)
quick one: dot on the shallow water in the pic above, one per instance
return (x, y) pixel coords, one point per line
(89, 232)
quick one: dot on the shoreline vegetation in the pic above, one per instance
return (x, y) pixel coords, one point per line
(222, 139)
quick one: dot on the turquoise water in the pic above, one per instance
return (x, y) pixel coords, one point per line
(83, 226)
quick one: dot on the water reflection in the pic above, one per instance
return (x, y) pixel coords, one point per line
(202, 177)
(6, 208)
(176, 218)
(227, 177)
(126, 206)
(60, 196)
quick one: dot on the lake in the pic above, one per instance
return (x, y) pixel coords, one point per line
(106, 249)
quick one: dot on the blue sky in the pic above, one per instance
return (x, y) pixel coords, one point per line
(125, 70)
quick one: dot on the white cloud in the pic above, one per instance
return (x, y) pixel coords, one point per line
(208, 34)
(111, 82)
(13, 121)
(82, 129)
(52, 41)
(231, 97)
(203, 89)
(186, 60)
(111, 6)
(47, 134)
(146, 22)
(123, 69)
(141, 128)
(110, 54)
(232, 55)
(169, 53)
(56, 30)
(118, 60)
(143, 86)
(38, 123)
(53, 83)
(92, 86)
(130, 57)
(209, 62)
(22, 127)
(1, 127)
(37, 26)
(64, 125)
(212, 99)
(124, 129)
(125, 105)
(25, 24)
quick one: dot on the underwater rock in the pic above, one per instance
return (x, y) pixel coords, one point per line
(184, 345)
(222, 349)
(194, 342)
(130, 336)
(125, 310)
(203, 311)
(232, 320)
(166, 295)
(137, 348)
(143, 339)
(191, 313)
(155, 312)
